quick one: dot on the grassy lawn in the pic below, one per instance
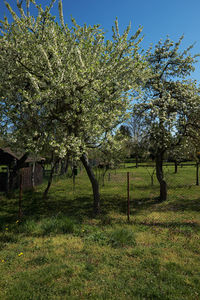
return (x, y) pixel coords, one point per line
(59, 251)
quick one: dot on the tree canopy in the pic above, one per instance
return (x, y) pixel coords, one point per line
(65, 87)
(170, 105)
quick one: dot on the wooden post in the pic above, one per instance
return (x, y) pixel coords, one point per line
(128, 198)
(8, 180)
(20, 194)
(197, 173)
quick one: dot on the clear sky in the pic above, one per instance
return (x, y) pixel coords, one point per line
(158, 18)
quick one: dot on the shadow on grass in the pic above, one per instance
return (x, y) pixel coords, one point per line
(180, 186)
(80, 207)
(181, 204)
(185, 227)
(177, 204)
(146, 187)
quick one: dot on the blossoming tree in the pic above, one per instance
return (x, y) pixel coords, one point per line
(170, 103)
(65, 87)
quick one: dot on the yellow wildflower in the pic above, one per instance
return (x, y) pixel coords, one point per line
(2, 260)
(20, 254)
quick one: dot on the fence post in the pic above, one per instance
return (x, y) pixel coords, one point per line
(128, 198)
(197, 173)
(8, 181)
(20, 194)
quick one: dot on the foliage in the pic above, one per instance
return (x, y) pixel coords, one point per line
(135, 138)
(182, 152)
(170, 105)
(65, 87)
(111, 152)
(169, 100)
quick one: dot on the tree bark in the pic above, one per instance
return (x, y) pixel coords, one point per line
(94, 183)
(66, 165)
(136, 162)
(160, 177)
(50, 179)
(152, 179)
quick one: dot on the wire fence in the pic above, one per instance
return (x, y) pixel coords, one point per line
(129, 188)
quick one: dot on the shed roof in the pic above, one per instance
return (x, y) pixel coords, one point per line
(7, 155)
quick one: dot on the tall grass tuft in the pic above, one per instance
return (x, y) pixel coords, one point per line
(48, 226)
(122, 237)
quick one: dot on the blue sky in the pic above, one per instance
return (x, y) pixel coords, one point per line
(159, 18)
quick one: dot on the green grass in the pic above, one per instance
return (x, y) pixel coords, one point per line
(59, 251)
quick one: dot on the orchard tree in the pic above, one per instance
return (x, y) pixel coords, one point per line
(65, 86)
(136, 143)
(182, 152)
(170, 102)
(111, 153)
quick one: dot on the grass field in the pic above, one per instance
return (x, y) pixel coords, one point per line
(59, 251)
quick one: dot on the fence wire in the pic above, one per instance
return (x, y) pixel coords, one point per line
(143, 187)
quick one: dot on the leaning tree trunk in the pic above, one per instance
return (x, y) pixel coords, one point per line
(160, 177)
(50, 179)
(94, 183)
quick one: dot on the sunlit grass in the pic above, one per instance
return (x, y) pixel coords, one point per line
(59, 251)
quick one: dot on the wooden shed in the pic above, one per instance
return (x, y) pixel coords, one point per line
(31, 171)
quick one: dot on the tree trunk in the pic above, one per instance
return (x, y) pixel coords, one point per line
(160, 177)
(62, 167)
(136, 162)
(94, 183)
(57, 166)
(197, 173)
(66, 164)
(50, 179)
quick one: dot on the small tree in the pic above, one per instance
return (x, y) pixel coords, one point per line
(169, 103)
(135, 143)
(181, 152)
